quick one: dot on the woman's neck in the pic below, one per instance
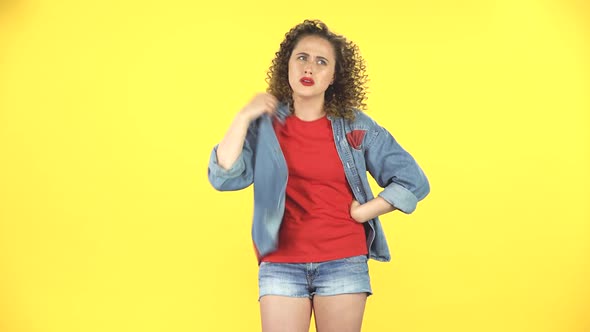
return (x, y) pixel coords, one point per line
(308, 109)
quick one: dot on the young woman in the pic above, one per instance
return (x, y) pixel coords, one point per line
(307, 147)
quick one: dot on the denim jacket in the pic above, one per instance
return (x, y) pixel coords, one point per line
(362, 145)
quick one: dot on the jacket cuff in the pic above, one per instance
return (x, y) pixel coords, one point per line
(400, 197)
(236, 169)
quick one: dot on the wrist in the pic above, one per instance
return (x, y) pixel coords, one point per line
(243, 118)
(358, 214)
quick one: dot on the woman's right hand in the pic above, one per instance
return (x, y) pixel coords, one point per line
(260, 104)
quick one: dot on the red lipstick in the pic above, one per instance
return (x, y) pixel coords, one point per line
(307, 81)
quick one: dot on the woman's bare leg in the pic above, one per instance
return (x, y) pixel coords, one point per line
(339, 313)
(285, 314)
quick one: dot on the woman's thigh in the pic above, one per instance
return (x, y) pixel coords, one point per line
(284, 297)
(285, 314)
(341, 290)
(341, 313)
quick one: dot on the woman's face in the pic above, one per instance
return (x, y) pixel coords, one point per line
(311, 67)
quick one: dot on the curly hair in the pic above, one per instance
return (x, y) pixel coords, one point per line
(346, 93)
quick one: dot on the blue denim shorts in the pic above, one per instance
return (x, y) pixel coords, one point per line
(341, 276)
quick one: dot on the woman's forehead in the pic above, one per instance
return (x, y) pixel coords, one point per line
(314, 45)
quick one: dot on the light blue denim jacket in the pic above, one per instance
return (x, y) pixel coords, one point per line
(362, 145)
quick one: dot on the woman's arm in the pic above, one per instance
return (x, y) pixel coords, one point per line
(396, 171)
(231, 145)
(364, 212)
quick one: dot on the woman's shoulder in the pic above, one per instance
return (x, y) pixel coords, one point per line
(362, 119)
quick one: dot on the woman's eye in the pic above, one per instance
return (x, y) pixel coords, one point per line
(301, 57)
(322, 62)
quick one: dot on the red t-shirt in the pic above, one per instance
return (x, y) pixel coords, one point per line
(317, 225)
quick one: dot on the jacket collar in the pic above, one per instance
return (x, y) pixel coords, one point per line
(283, 112)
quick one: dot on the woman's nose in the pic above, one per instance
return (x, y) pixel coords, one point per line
(307, 68)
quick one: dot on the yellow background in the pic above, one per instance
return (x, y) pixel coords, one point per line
(109, 109)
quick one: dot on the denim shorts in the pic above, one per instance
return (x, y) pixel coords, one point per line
(341, 276)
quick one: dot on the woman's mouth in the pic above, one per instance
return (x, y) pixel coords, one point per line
(307, 81)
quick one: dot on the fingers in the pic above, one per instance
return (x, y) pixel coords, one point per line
(270, 103)
(270, 99)
(355, 211)
(270, 106)
(262, 103)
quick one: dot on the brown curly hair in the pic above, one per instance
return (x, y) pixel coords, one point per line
(347, 92)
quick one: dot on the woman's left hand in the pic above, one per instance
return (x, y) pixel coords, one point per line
(364, 212)
(356, 212)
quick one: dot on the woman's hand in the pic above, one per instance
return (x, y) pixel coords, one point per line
(231, 146)
(364, 212)
(356, 212)
(260, 104)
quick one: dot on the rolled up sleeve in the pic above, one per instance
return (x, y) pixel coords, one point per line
(217, 171)
(241, 174)
(395, 170)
